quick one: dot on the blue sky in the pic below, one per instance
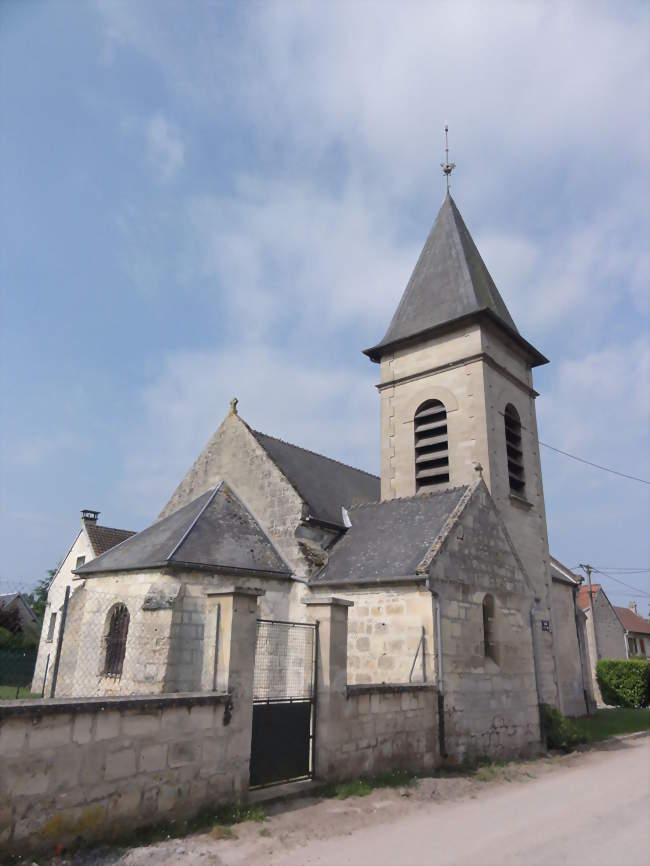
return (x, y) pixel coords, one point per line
(214, 199)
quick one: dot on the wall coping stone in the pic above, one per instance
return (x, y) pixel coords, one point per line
(10, 709)
(238, 590)
(387, 688)
(329, 600)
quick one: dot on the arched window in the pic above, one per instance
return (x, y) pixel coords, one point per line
(118, 629)
(431, 446)
(489, 638)
(514, 449)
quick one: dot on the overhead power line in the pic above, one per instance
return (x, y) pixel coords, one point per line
(595, 465)
(627, 585)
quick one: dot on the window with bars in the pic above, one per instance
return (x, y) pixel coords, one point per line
(514, 450)
(431, 446)
(118, 629)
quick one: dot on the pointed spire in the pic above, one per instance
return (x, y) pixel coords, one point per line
(450, 282)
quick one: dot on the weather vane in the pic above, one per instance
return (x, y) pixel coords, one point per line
(446, 166)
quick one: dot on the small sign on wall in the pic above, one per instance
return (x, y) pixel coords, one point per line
(546, 624)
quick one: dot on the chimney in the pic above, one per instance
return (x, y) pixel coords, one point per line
(632, 607)
(89, 516)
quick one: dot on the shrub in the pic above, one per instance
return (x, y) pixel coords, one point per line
(558, 731)
(624, 683)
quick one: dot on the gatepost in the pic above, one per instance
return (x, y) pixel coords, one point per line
(331, 681)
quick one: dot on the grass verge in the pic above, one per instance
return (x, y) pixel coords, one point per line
(13, 693)
(366, 785)
(609, 723)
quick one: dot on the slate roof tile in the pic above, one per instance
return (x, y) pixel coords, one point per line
(214, 531)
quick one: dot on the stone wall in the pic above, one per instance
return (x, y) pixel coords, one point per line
(234, 455)
(569, 664)
(366, 729)
(73, 768)
(608, 641)
(82, 770)
(384, 631)
(381, 728)
(475, 372)
(172, 630)
(491, 704)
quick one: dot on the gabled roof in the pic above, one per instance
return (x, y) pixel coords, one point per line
(389, 540)
(215, 531)
(562, 574)
(632, 621)
(583, 595)
(324, 484)
(102, 538)
(450, 283)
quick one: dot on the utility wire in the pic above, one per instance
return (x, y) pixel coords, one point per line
(634, 588)
(596, 465)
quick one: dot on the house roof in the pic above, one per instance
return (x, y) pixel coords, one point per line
(389, 540)
(450, 283)
(632, 621)
(562, 574)
(214, 531)
(583, 595)
(102, 538)
(324, 484)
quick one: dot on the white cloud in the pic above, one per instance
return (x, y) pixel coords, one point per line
(166, 149)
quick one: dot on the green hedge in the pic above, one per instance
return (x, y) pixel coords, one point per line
(624, 683)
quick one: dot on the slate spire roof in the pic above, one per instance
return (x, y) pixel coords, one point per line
(215, 532)
(450, 283)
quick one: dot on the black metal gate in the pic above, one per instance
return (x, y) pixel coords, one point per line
(284, 702)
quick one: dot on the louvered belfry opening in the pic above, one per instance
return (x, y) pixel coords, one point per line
(431, 446)
(118, 630)
(514, 449)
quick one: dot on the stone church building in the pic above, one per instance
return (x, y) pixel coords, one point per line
(445, 558)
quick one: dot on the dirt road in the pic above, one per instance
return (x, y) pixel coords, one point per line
(590, 808)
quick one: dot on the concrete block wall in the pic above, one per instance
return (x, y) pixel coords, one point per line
(83, 770)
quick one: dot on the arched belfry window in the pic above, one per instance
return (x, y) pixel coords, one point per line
(118, 629)
(489, 637)
(431, 446)
(514, 449)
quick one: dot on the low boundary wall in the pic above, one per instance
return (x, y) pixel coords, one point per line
(80, 769)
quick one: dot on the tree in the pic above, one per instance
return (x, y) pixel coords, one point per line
(37, 598)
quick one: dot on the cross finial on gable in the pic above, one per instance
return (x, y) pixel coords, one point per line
(479, 468)
(233, 406)
(446, 166)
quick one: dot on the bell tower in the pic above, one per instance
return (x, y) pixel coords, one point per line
(456, 389)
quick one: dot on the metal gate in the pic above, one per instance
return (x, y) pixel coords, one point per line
(284, 702)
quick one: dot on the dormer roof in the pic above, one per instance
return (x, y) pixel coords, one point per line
(449, 285)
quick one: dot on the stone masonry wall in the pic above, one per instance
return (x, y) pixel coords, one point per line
(610, 638)
(380, 728)
(234, 455)
(83, 770)
(569, 666)
(384, 630)
(491, 706)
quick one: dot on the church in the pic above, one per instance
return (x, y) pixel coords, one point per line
(444, 559)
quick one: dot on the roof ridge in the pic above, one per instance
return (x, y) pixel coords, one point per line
(113, 528)
(426, 495)
(315, 453)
